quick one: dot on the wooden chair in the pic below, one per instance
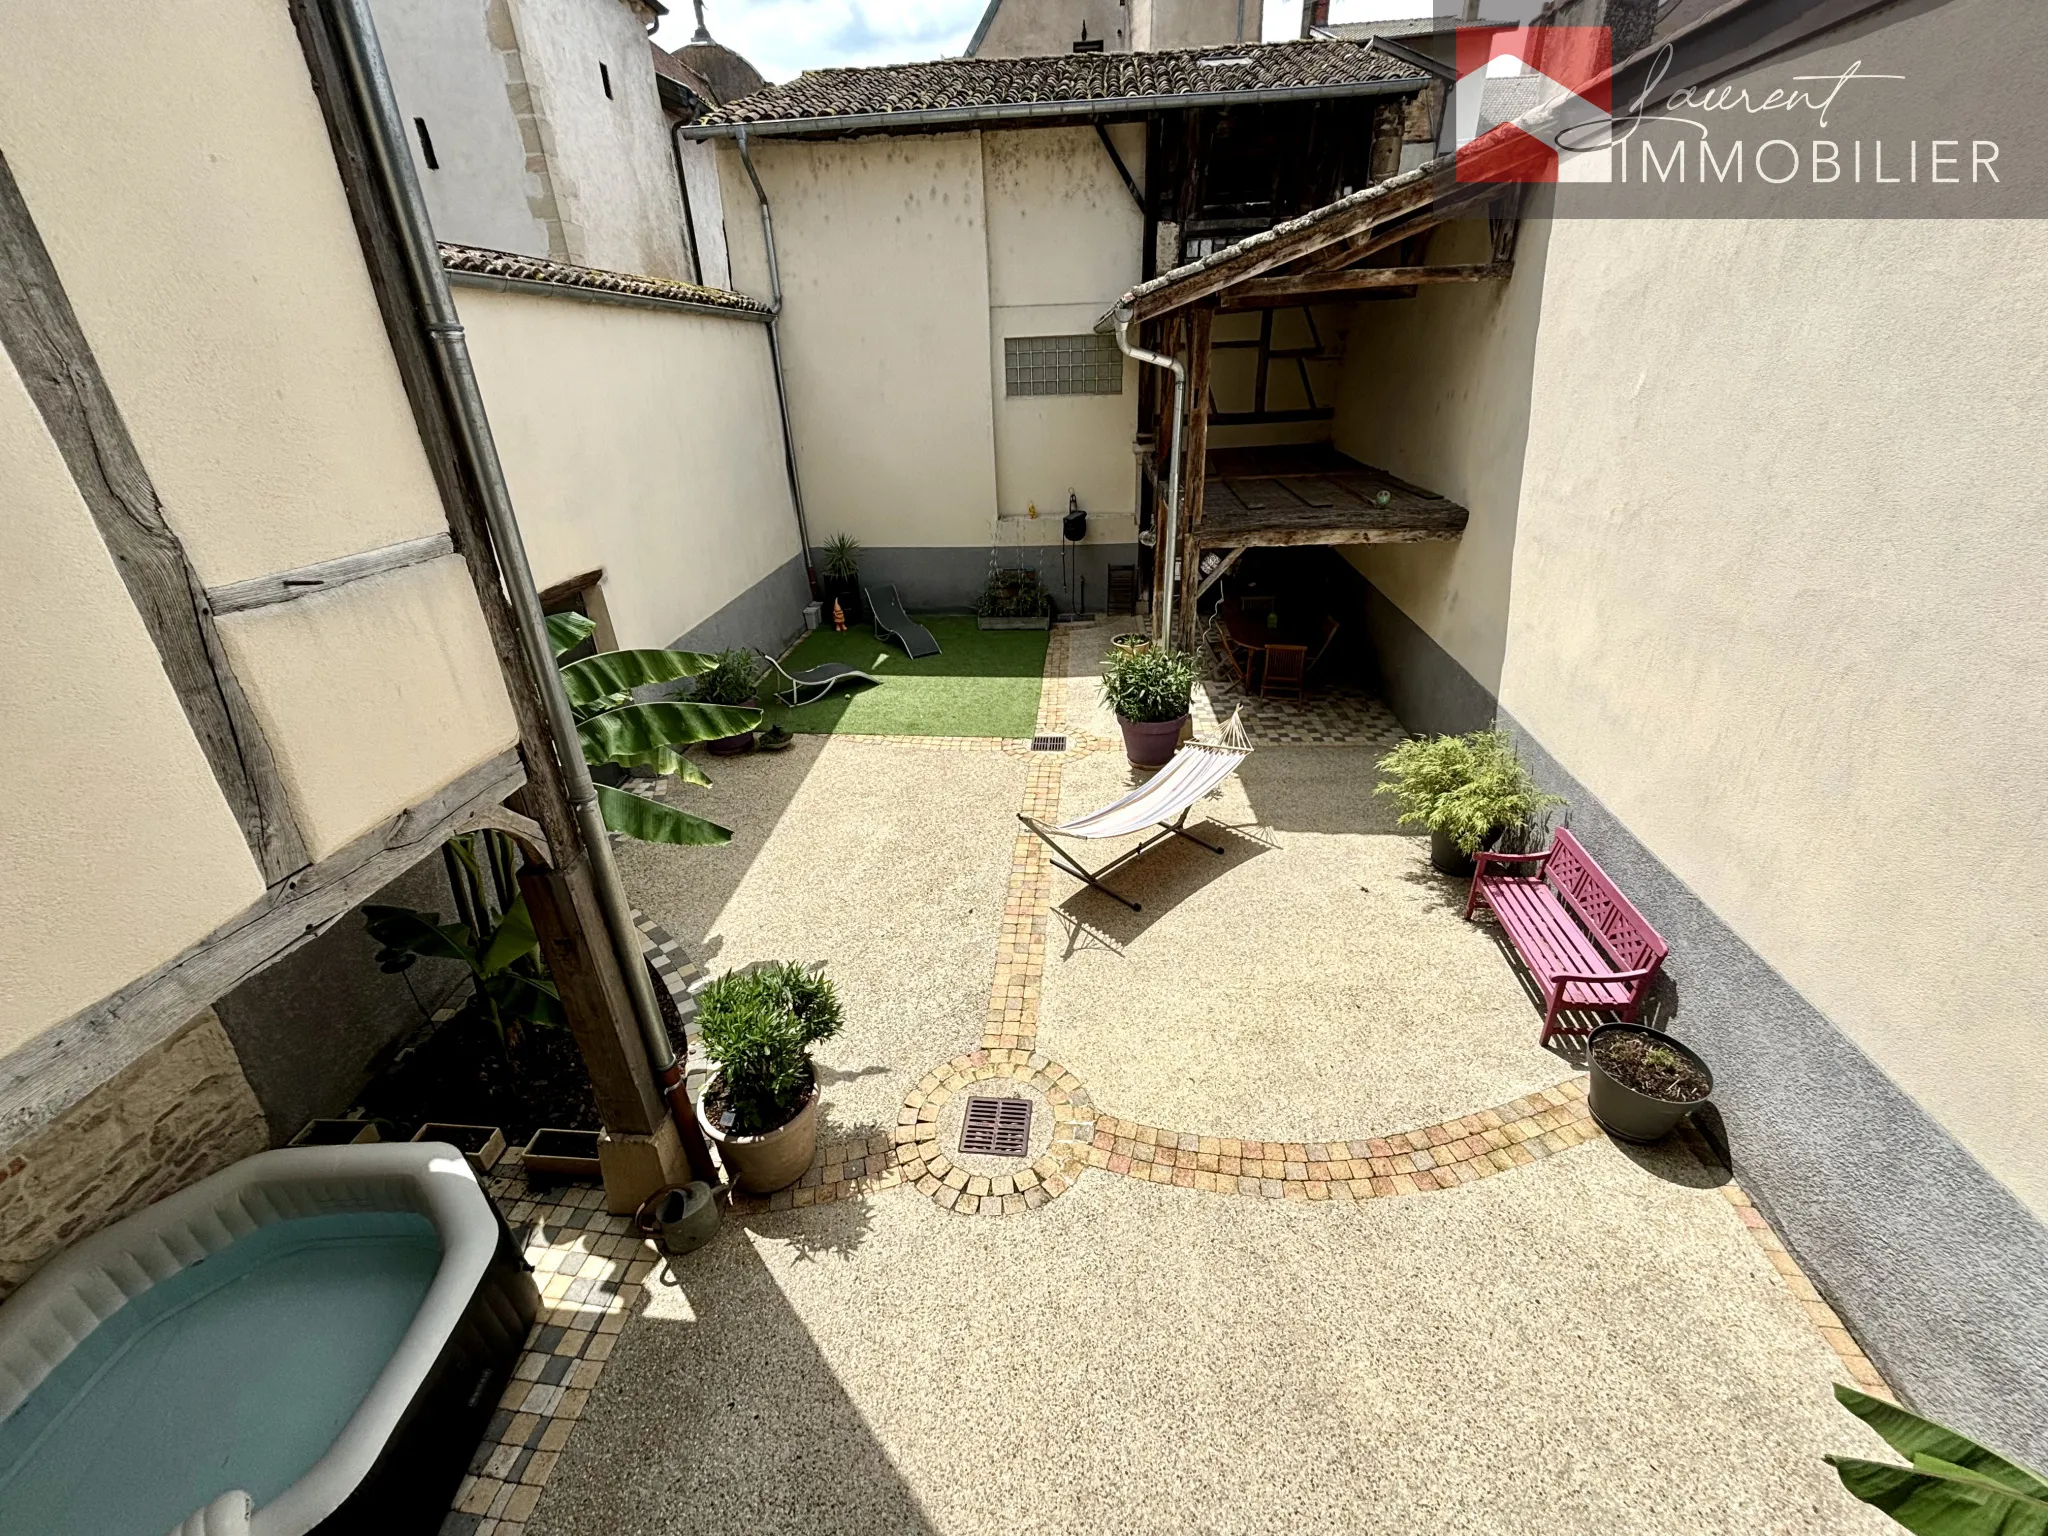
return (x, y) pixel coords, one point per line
(1255, 607)
(1240, 659)
(1286, 670)
(1324, 640)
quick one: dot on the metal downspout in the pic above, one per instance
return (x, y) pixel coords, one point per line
(1171, 563)
(796, 493)
(450, 349)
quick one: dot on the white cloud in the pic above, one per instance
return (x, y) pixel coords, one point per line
(782, 38)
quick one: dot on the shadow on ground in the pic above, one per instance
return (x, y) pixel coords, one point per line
(1158, 880)
(717, 1413)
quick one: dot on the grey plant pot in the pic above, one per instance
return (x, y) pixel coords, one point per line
(1634, 1116)
(1447, 858)
(1151, 743)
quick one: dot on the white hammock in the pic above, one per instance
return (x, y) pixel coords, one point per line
(1163, 800)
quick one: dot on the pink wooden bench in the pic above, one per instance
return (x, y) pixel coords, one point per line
(1582, 940)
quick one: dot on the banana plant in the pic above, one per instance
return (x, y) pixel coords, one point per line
(492, 936)
(616, 730)
(1954, 1487)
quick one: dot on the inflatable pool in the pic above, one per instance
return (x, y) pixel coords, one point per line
(311, 1340)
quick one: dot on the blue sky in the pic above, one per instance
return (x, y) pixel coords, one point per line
(785, 37)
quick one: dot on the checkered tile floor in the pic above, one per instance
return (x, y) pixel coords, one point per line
(1333, 715)
(590, 1267)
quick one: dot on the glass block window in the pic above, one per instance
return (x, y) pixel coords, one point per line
(1088, 364)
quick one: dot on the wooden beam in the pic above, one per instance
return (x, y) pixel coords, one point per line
(1456, 205)
(1278, 538)
(383, 257)
(1266, 292)
(377, 230)
(1201, 321)
(265, 591)
(41, 333)
(1289, 242)
(586, 974)
(57, 1068)
(1216, 575)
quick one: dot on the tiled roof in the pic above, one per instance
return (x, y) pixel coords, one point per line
(1320, 66)
(473, 261)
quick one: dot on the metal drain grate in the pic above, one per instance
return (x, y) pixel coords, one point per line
(1048, 743)
(997, 1127)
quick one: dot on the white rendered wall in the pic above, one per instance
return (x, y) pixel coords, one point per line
(642, 442)
(1065, 239)
(450, 72)
(181, 175)
(118, 849)
(884, 259)
(614, 174)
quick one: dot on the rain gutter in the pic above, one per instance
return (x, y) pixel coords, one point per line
(1164, 616)
(796, 493)
(449, 347)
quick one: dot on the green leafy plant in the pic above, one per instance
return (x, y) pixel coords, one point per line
(1954, 1487)
(1013, 594)
(732, 677)
(842, 557)
(616, 730)
(1150, 685)
(492, 936)
(1466, 787)
(759, 1026)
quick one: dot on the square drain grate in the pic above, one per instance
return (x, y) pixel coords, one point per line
(1048, 743)
(997, 1127)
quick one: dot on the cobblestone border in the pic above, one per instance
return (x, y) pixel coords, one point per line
(1440, 1156)
(1048, 1176)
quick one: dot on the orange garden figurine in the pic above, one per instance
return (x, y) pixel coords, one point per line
(838, 616)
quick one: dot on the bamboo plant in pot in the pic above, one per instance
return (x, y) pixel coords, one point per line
(732, 679)
(1467, 790)
(761, 1107)
(1150, 690)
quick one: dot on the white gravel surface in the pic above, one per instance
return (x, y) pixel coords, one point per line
(887, 863)
(1577, 1347)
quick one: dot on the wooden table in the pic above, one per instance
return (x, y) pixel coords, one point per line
(1255, 635)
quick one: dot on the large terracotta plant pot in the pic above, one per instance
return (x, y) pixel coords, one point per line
(772, 1160)
(1151, 743)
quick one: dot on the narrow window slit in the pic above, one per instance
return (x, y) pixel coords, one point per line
(426, 143)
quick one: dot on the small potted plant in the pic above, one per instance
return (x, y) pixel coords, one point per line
(733, 679)
(1013, 599)
(839, 575)
(761, 1107)
(1150, 690)
(1467, 790)
(1643, 1082)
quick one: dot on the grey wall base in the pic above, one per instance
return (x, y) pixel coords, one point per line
(309, 1029)
(765, 617)
(937, 578)
(1936, 1266)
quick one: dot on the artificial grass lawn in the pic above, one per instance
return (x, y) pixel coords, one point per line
(980, 683)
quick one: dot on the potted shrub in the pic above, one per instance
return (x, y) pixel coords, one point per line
(1467, 790)
(1014, 599)
(761, 1107)
(1643, 1082)
(839, 576)
(1150, 690)
(731, 680)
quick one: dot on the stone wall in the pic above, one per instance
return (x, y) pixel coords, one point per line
(180, 1113)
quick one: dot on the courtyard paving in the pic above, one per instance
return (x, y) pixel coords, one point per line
(1311, 1236)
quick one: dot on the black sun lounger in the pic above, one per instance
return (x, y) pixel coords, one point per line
(893, 623)
(813, 683)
